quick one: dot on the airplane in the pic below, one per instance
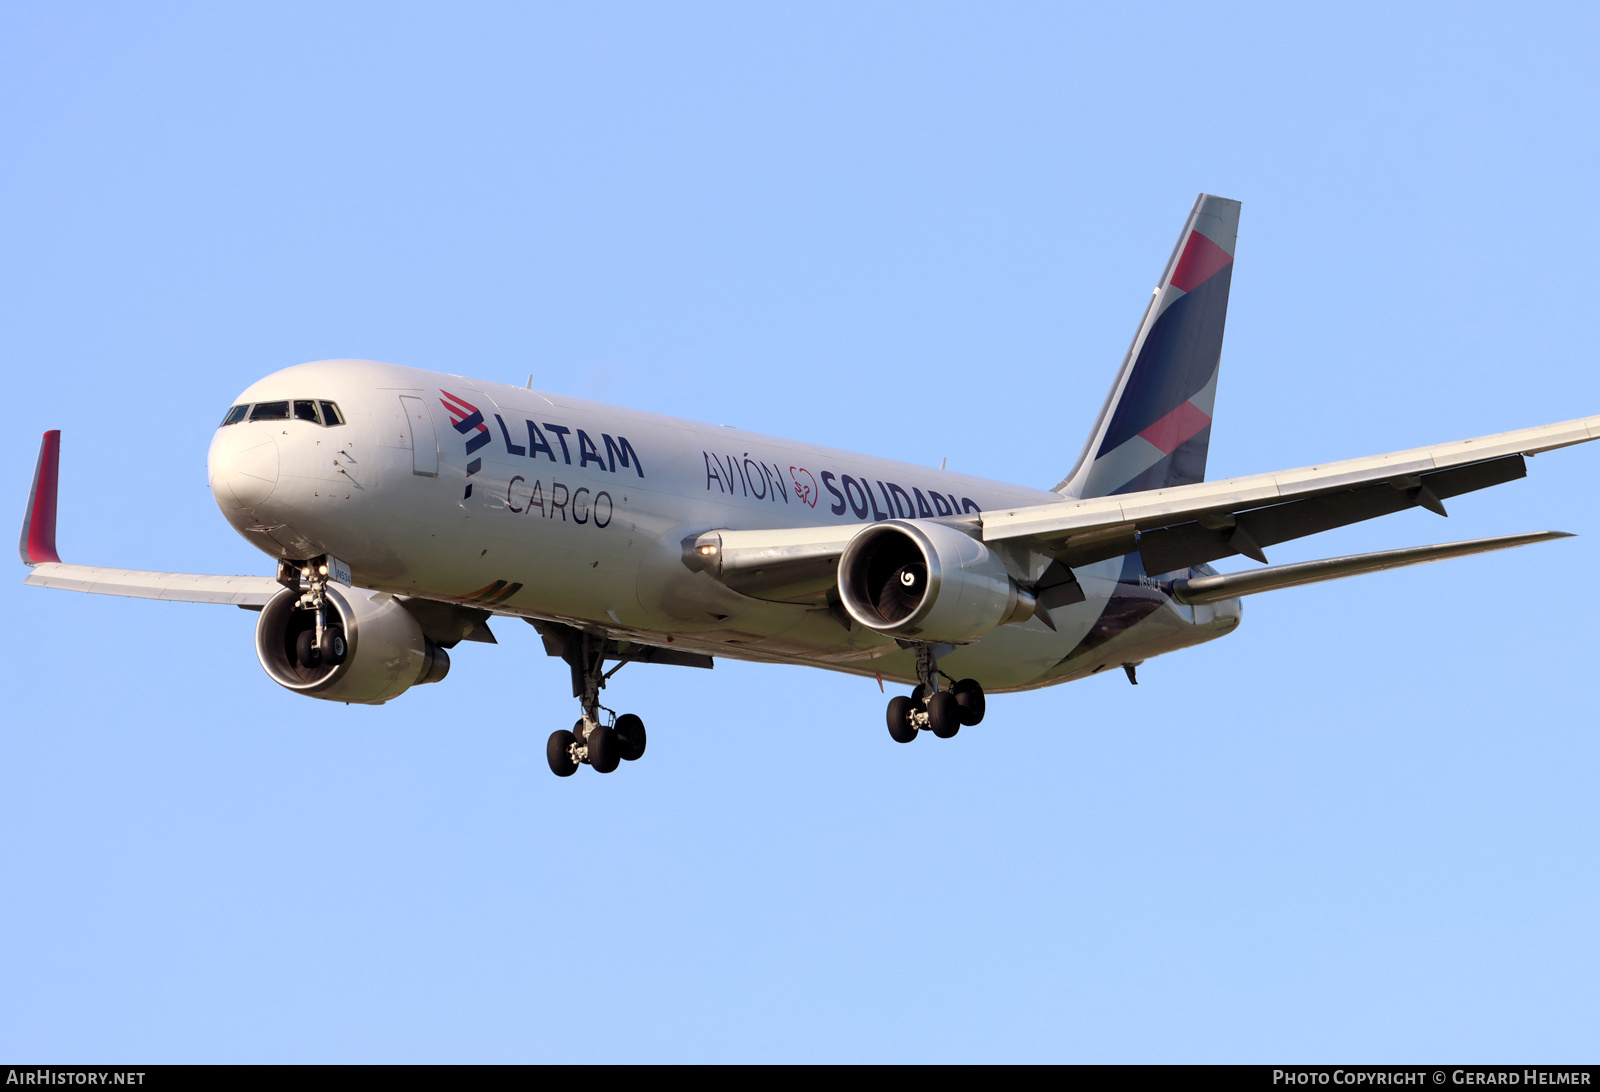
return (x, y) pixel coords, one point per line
(405, 508)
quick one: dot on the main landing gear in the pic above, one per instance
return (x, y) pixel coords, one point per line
(601, 742)
(942, 712)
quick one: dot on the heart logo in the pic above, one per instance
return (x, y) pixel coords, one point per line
(804, 490)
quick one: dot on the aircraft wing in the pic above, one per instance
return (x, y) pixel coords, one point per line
(1171, 528)
(250, 592)
(1189, 524)
(38, 549)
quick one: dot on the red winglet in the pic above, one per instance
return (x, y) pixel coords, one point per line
(39, 525)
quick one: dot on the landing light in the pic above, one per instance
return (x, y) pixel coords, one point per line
(705, 551)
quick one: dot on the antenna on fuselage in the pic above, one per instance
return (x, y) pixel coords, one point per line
(530, 381)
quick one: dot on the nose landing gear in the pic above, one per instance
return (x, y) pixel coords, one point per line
(942, 712)
(322, 643)
(602, 743)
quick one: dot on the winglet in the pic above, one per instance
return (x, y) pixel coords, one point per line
(39, 525)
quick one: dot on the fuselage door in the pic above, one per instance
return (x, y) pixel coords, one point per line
(419, 428)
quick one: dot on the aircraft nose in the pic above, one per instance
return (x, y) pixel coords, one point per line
(243, 465)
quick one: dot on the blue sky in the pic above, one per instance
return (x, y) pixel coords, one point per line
(1364, 826)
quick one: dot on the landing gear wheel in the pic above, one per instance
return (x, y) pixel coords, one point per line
(944, 714)
(918, 693)
(630, 737)
(558, 752)
(969, 696)
(333, 648)
(901, 730)
(605, 749)
(306, 653)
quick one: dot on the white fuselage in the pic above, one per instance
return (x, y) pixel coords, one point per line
(578, 512)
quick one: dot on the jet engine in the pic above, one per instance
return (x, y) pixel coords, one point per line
(928, 581)
(372, 649)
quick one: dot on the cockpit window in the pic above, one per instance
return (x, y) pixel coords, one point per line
(270, 411)
(300, 409)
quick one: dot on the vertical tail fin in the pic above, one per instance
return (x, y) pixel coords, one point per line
(1155, 427)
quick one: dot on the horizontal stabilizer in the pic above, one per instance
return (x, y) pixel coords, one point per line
(240, 591)
(1209, 589)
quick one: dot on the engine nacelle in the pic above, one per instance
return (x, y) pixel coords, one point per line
(928, 581)
(386, 652)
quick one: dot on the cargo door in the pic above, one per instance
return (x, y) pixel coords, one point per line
(423, 442)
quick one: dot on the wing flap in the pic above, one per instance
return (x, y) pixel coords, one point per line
(239, 591)
(1180, 545)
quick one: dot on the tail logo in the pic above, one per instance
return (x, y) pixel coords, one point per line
(465, 418)
(1156, 428)
(1201, 260)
